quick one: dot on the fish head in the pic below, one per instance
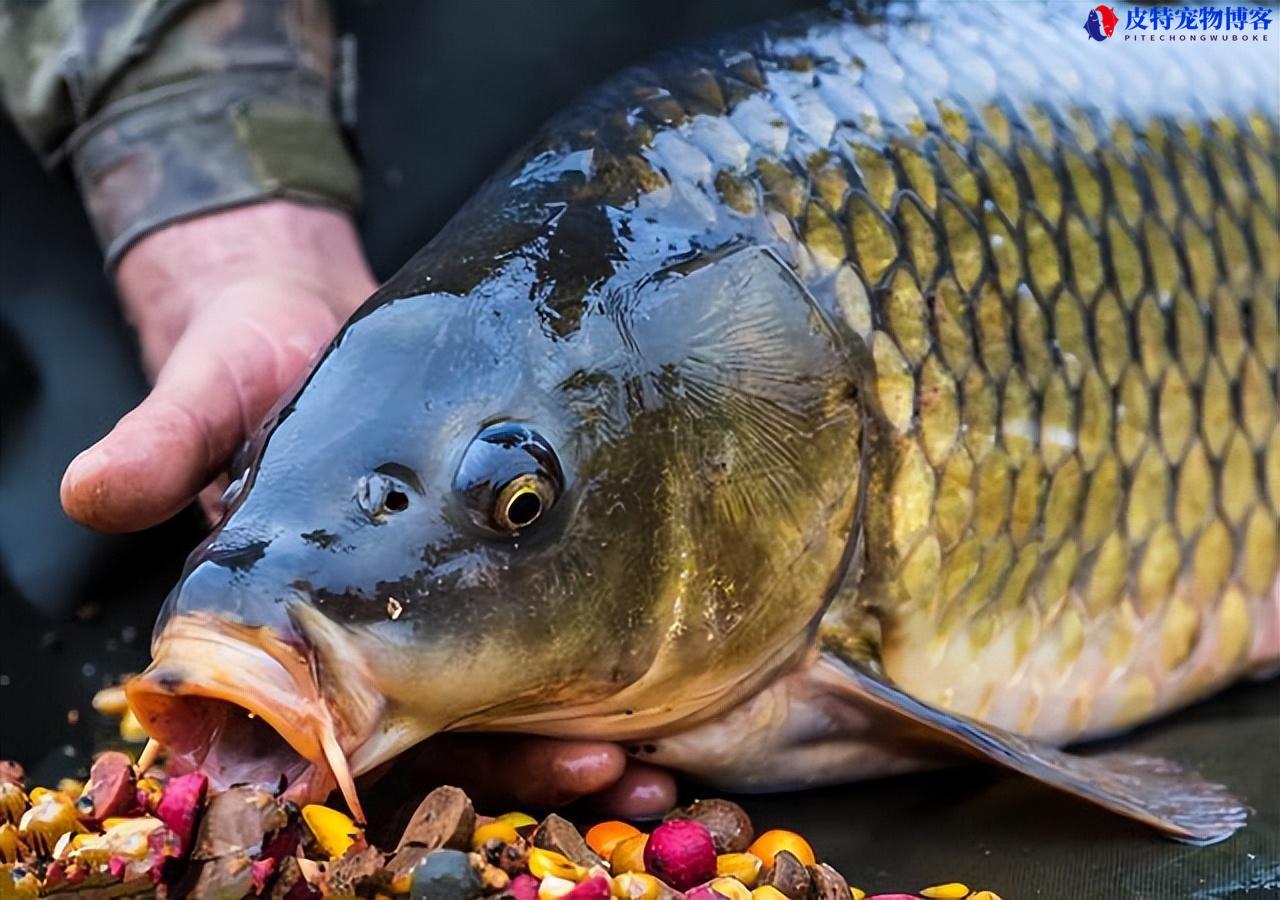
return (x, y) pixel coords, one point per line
(473, 517)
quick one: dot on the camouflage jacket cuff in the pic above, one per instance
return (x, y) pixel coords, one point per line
(206, 144)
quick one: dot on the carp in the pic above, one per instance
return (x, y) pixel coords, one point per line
(859, 390)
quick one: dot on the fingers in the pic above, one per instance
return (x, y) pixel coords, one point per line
(504, 770)
(501, 771)
(643, 792)
(230, 308)
(225, 373)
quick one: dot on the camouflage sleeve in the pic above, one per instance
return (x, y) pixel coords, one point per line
(167, 109)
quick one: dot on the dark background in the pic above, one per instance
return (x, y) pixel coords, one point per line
(446, 90)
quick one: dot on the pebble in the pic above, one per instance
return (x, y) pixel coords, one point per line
(446, 875)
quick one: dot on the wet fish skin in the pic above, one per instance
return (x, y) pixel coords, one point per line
(1037, 396)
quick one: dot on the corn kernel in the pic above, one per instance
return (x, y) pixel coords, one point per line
(731, 888)
(334, 832)
(131, 729)
(743, 866)
(771, 843)
(858, 893)
(952, 890)
(768, 892)
(984, 895)
(604, 836)
(495, 830)
(10, 847)
(111, 701)
(52, 814)
(552, 887)
(548, 863)
(636, 886)
(517, 820)
(13, 803)
(64, 844)
(628, 854)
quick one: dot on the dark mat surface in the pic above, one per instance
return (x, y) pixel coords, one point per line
(447, 90)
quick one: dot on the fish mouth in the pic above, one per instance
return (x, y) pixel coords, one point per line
(243, 706)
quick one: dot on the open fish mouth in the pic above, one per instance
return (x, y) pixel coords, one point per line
(244, 707)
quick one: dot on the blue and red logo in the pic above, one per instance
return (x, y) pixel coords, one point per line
(1101, 23)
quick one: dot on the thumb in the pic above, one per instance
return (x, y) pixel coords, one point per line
(224, 375)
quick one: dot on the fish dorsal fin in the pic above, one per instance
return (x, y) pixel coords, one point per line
(1155, 791)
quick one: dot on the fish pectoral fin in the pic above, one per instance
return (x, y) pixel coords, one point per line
(1155, 791)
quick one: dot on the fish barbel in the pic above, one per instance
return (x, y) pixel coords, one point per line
(856, 379)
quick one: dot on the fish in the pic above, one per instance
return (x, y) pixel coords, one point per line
(863, 391)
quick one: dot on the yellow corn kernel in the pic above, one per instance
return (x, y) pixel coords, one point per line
(604, 836)
(548, 863)
(13, 803)
(635, 886)
(628, 855)
(131, 729)
(731, 888)
(10, 846)
(771, 843)
(334, 832)
(64, 844)
(52, 814)
(858, 893)
(517, 820)
(127, 837)
(743, 866)
(111, 701)
(984, 895)
(553, 887)
(402, 883)
(71, 787)
(952, 890)
(768, 892)
(495, 830)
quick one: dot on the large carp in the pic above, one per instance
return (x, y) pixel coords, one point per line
(797, 408)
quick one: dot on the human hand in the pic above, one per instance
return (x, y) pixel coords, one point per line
(231, 309)
(525, 770)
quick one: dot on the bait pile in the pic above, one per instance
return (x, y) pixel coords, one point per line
(126, 834)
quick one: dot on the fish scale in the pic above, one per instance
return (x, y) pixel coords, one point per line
(1070, 308)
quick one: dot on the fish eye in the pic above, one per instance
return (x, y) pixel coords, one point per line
(509, 478)
(521, 502)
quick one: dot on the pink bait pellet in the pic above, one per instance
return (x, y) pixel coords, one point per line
(682, 853)
(523, 887)
(594, 888)
(180, 805)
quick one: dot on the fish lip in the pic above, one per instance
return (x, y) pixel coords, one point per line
(199, 657)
